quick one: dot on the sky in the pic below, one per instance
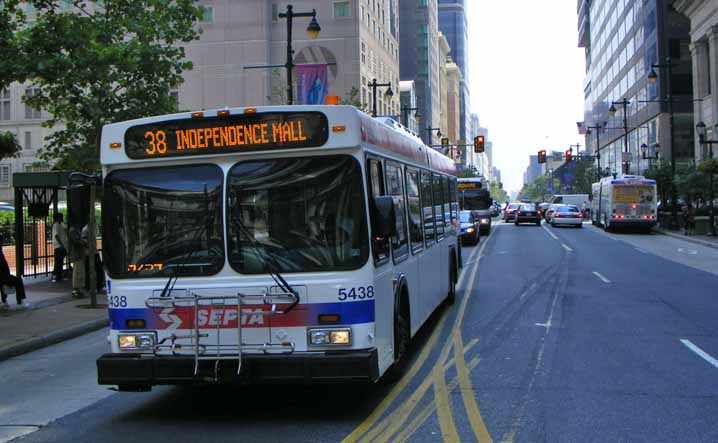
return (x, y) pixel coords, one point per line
(526, 78)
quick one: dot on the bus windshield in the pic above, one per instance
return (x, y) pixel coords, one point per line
(296, 215)
(163, 221)
(475, 199)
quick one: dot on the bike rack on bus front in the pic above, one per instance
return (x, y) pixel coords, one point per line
(203, 351)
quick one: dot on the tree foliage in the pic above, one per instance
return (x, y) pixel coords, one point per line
(9, 146)
(661, 173)
(498, 193)
(536, 190)
(97, 63)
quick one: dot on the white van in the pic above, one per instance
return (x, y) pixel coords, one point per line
(579, 200)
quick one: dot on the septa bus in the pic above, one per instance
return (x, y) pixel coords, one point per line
(280, 244)
(628, 200)
(475, 196)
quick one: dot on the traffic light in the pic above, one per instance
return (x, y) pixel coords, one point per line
(542, 156)
(479, 144)
(569, 154)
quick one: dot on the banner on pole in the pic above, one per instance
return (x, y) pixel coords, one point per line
(311, 84)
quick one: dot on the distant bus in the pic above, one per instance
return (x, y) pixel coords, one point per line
(474, 196)
(629, 200)
(286, 243)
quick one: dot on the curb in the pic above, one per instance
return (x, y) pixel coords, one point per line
(688, 239)
(35, 343)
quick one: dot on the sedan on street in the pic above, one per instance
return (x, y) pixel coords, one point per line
(528, 214)
(469, 228)
(567, 215)
(509, 212)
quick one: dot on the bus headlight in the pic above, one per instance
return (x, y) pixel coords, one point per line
(142, 341)
(319, 337)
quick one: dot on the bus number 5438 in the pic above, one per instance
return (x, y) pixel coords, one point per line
(358, 293)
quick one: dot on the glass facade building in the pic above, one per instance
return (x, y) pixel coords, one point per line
(453, 24)
(623, 39)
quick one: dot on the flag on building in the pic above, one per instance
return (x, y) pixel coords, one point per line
(581, 128)
(311, 84)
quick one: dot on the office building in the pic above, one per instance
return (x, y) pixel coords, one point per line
(454, 25)
(622, 40)
(409, 116)
(419, 60)
(703, 16)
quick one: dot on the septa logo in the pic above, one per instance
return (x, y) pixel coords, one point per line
(211, 317)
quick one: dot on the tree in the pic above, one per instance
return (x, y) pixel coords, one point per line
(709, 168)
(9, 146)
(497, 192)
(95, 65)
(536, 190)
(663, 176)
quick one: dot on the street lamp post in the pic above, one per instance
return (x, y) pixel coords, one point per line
(702, 133)
(597, 128)
(430, 130)
(387, 94)
(652, 78)
(612, 112)
(405, 114)
(312, 31)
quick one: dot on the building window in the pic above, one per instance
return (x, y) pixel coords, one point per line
(342, 9)
(4, 104)
(4, 176)
(207, 14)
(28, 140)
(30, 112)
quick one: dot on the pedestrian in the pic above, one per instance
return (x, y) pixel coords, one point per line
(59, 244)
(99, 273)
(691, 219)
(6, 278)
(684, 216)
(77, 257)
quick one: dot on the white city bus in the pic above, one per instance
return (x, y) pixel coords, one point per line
(474, 196)
(288, 243)
(629, 200)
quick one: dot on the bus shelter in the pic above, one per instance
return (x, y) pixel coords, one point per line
(36, 201)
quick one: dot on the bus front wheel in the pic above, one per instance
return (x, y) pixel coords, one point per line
(402, 336)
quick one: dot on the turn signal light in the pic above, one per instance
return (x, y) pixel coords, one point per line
(135, 323)
(115, 145)
(329, 318)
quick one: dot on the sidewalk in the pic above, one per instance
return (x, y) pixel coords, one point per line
(52, 316)
(705, 240)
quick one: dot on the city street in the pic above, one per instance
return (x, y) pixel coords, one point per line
(557, 335)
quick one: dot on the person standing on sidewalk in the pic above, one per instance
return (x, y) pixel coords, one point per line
(59, 244)
(6, 278)
(77, 256)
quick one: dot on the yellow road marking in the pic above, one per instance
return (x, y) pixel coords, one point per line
(429, 409)
(399, 387)
(467, 393)
(443, 406)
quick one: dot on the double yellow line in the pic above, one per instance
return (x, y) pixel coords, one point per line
(374, 429)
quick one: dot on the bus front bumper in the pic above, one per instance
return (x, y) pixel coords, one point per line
(140, 372)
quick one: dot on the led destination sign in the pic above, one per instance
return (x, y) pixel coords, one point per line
(222, 135)
(468, 185)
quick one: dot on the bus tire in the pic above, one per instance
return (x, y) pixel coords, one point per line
(451, 295)
(402, 337)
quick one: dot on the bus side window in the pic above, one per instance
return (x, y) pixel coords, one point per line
(416, 233)
(379, 246)
(427, 208)
(454, 200)
(438, 205)
(394, 188)
(448, 202)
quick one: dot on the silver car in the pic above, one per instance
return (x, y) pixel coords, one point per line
(566, 215)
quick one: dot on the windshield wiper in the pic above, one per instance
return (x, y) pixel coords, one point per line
(270, 262)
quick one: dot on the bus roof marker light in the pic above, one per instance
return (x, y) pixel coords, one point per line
(250, 111)
(339, 128)
(115, 145)
(197, 114)
(223, 113)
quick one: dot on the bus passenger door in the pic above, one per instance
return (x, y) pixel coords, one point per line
(383, 272)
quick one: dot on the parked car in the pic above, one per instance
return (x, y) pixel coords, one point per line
(567, 215)
(469, 228)
(527, 214)
(509, 212)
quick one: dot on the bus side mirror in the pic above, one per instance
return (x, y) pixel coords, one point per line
(383, 217)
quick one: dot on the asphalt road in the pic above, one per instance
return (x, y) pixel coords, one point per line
(558, 335)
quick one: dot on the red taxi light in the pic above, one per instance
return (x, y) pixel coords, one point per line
(557, 215)
(538, 212)
(580, 215)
